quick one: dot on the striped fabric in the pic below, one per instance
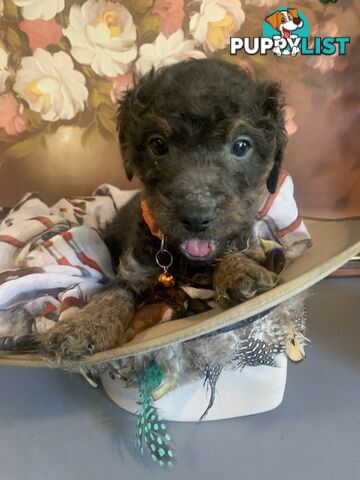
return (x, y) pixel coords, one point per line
(279, 219)
(52, 261)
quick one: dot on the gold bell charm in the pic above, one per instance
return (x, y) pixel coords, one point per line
(165, 259)
(166, 279)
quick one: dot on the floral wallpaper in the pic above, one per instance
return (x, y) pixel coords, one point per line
(65, 63)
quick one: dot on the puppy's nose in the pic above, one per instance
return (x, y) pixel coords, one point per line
(297, 21)
(196, 224)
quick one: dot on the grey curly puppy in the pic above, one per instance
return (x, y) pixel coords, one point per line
(205, 138)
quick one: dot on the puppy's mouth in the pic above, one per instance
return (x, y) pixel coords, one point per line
(199, 250)
(286, 32)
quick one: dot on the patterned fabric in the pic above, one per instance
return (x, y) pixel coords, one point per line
(53, 260)
(279, 217)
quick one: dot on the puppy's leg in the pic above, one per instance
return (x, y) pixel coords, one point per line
(240, 276)
(99, 326)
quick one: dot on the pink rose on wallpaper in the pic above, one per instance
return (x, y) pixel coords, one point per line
(41, 33)
(171, 13)
(12, 118)
(290, 125)
(119, 85)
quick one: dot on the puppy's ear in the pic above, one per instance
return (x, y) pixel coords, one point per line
(132, 105)
(293, 12)
(124, 125)
(273, 178)
(273, 19)
(273, 112)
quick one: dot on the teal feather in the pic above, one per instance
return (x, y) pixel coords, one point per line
(151, 430)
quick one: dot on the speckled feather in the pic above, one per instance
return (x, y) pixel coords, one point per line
(151, 430)
(212, 374)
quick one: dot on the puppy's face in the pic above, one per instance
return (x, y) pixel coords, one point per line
(286, 21)
(205, 139)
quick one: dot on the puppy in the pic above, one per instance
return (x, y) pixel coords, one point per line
(286, 22)
(206, 139)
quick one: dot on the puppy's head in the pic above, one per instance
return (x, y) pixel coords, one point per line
(286, 21)
(205, 138)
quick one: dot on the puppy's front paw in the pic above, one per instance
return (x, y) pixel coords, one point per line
(79, 336)
(99, 326)
(238, 278)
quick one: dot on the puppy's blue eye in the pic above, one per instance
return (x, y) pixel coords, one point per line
(240, 147)
(158, 146)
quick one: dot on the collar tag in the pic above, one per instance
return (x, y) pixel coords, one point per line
(163, 257)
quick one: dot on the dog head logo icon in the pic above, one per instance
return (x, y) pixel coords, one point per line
(285, 21)
(289, 24)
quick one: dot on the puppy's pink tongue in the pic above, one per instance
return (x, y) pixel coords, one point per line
(197, 248)
(286, 33)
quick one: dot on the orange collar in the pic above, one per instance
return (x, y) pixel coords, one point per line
(149, 220)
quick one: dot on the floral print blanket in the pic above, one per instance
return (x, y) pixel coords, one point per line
(53, 260)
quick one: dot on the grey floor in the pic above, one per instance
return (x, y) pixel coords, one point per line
(54, 426)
